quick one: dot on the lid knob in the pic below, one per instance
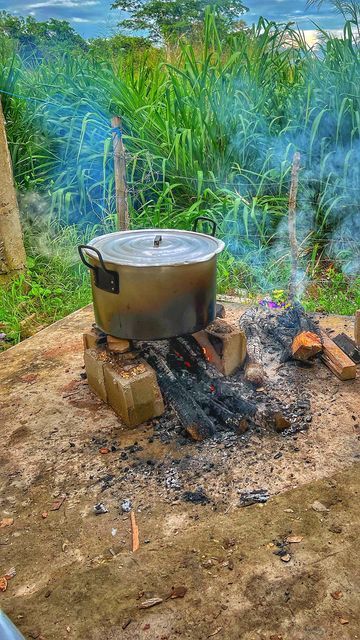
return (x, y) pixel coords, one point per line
(157, 241)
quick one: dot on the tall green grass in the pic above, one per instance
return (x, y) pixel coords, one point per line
(209, 129)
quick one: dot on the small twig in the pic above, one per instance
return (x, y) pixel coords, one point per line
(135, 532)
(294, 249)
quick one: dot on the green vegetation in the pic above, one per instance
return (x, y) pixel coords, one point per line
(167, 20)
(210, 127)
(53, 286)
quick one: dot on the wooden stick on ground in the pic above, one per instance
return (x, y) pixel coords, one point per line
(120, 175)
(135, 532)
(336, 360)
(294, 249)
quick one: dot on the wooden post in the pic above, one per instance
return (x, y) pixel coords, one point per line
(294, 250)
(120, 175)
(357, 328)
(12, 251)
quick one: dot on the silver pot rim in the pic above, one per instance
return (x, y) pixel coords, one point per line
(155, 247)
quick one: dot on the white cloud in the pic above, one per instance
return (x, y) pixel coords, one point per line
(75, 19)
(313, 36)
(66, 4)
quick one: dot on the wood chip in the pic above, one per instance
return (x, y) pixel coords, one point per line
(104, 451)
(151, 603)
(3, 584)
(286, 557)
(294, 539)
(6, 522)
(343, 621)
(135, 532)
(178, 592)
(57, 503)
(10, 574)
(337, 595)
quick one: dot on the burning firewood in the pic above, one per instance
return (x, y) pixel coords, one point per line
(193, 419)
(227, 403)
(209, 352)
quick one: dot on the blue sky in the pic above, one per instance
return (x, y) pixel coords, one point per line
(95, 18)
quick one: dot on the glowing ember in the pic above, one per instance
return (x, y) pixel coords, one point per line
(206, 354)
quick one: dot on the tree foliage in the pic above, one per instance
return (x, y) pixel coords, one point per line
(170, 19)
(118, 47)
(39, 38)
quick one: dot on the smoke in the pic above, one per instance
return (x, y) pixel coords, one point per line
(258, 123)
(321, 122)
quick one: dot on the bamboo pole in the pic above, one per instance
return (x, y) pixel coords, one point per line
(12, 251)
(121, 191)
(294, 249)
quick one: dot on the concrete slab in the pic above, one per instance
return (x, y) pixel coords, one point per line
(76, 576)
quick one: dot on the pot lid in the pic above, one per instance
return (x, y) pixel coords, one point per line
(156, 247)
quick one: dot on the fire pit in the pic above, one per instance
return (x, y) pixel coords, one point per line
(156, 342)
(206, 378)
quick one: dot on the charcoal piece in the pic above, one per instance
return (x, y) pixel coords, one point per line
(126, 506)
(348, 346)
(258, 496)
(197, 497)
(100, 508)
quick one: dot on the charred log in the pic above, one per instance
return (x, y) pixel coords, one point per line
(281, 328)
(192, 417)
(220, 412)
(254, 368)
(210, 379)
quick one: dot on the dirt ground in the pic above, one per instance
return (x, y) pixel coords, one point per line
(76, 576)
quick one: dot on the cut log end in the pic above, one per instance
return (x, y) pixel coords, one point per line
(305, 346)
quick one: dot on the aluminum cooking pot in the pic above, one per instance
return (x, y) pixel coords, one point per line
(153, 283)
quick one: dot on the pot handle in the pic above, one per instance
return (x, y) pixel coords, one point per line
(206, 219)
(104, 278)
